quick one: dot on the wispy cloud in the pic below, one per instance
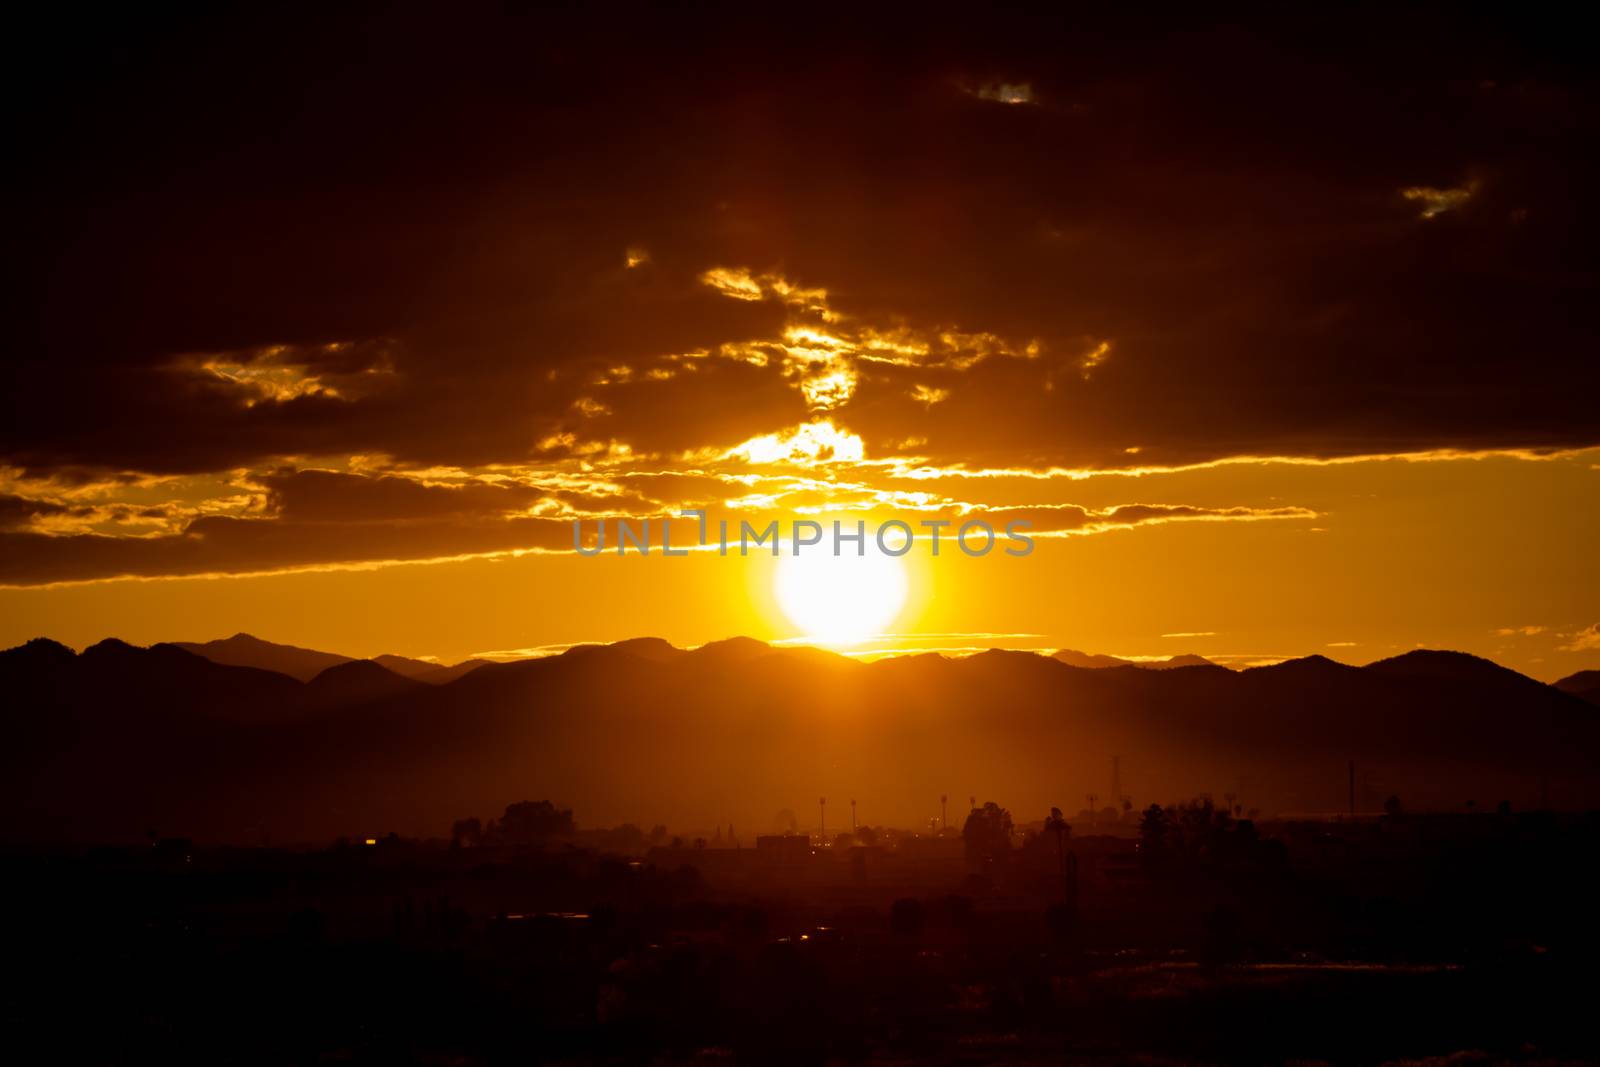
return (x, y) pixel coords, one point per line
(1014, 93)
(1435, 202)
(1585, 640)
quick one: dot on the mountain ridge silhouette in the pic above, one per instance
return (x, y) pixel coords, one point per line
(117, 739)
(1074, 658)
(1584, 685)
(304, 664)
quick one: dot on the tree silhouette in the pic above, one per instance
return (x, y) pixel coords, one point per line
(1153, 829)
(987, 835)
(1056, 825)
(535, 821)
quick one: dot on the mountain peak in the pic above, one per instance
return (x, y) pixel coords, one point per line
(1572, 683)
(1440, 665)
(1585, 685)
(359, 679)
(732, 649)
(1087, 660)
(650, 648)
(39, 652)
(406, 666)
(654, 649)
(1098, 661)
(1314, 665)
(247, 650)
(47, 646)
(111, 646)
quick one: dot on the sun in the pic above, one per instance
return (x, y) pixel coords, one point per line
(840, 600)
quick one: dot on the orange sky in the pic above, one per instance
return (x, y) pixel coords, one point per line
(1282, 343)
(1482, 555)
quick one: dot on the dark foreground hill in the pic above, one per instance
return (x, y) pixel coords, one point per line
(118, 740)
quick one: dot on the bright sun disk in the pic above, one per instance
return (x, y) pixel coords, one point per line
(840, 600)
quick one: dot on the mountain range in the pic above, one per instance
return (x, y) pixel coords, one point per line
(114, 741)
(1095, 661)
(243, 650)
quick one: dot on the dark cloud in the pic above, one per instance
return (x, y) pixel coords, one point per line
(222, 545)
(328, 496)
(251, 235)
(18, 512)
(702, 402)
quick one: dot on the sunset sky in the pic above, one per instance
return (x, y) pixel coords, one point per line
(326, 328)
